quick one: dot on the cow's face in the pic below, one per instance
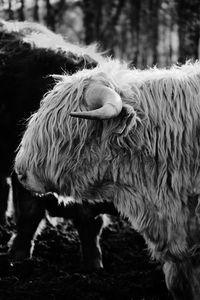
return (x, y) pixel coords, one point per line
(60, 144)
(26, 174)
(53, 140)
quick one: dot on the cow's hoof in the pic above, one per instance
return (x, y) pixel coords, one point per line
(4, 265)
(22, 269)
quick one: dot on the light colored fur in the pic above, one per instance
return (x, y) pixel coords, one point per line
(40, 36)
(146, 160)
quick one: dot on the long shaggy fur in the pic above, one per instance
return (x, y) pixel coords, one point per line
(29, 54)
(146, 160)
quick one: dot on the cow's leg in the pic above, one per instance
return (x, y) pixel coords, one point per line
(195, 277)
(90, 226)
(4, 193)
(183, 274)
(183, 278)
(89, 222)
(176, 282)
(90, 230)
(29, 211)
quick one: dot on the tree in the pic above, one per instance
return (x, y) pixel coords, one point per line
(10, 11)
(50, 16)
(21, 11)
(188, 14)
(36, 11)
(90, 9)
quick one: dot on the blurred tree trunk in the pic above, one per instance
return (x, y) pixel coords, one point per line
(98, 22)
(134, 16)
(36, 11)
(144, 38)
(10, 12)
(188, 12)
(155, 5)
(138, 8)
(109, 30)
(59, 10)
(50, 17)
(21, 11)
(89, 19)
(100, 19)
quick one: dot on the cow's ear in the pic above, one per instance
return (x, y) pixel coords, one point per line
(128, 119)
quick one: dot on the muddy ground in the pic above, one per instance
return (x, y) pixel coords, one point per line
(55, 271)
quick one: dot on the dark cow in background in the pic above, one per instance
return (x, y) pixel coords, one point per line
(29, 53)
(131, 137)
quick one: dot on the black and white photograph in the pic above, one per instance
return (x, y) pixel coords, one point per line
(100, 149)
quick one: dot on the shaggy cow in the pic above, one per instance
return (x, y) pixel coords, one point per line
(131, 137)
(29, 52)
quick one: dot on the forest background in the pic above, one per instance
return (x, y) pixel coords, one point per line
(142, 32)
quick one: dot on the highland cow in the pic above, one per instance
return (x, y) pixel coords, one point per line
(29, 53)
(130, 137)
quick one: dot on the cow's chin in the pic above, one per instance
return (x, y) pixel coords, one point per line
(33, 185)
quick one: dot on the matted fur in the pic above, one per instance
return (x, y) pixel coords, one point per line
(146, 160)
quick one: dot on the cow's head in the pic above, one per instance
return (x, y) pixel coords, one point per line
(67, 142)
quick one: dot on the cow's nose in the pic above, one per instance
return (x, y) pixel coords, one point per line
(21, 177)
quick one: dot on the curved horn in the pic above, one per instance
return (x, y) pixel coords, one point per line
(104, 102)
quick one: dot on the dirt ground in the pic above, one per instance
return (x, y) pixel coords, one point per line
(55, 271)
